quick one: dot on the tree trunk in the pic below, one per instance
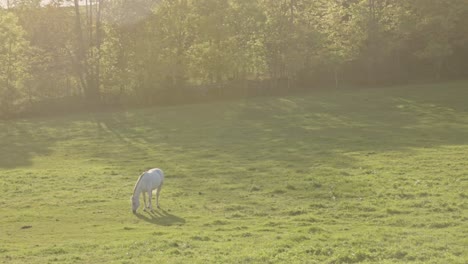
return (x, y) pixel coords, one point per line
(81, 61)
(372, 27)
(291, 9)
(89, 75)
(98, 48)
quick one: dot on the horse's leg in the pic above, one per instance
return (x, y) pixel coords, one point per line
(144, 199)
(150, 194)
(157, 194)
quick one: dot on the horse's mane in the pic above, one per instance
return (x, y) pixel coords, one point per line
(138, 181)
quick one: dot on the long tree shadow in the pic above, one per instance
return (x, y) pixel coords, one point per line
(21, 141)
(321, 128)
(160, 217)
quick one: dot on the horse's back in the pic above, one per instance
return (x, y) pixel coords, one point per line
(153, 178)
(156, 171)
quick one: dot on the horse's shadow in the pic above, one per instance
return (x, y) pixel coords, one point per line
(160, 217)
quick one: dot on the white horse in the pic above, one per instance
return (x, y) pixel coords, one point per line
(147, 182)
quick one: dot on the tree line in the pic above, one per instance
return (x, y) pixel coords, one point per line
(102, 52)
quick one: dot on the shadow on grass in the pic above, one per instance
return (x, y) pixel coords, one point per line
(160, 217)
(292, 131)
(21, 141)
(286, 131)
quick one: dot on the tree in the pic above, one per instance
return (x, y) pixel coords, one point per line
(342, 37)
(436, 24)
(127, 51)
(173, 32)
(48, 31)
(289, 38)
(87, 56)
(158, 50)
(14, 68)
(227, 45)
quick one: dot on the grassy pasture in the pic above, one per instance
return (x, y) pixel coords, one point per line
(362, 176)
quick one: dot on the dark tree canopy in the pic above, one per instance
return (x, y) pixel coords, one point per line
(99, 52)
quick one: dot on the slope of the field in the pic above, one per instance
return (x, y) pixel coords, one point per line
(361, 176)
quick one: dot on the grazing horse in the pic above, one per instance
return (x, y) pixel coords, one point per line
(146, 183)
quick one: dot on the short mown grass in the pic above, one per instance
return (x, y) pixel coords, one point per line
(351, 176)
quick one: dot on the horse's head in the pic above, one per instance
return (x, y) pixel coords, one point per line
(135, 203)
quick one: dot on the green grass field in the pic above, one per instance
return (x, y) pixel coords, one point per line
(356, 176)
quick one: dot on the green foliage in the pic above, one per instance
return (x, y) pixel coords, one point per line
(181, 50)
(14, 68)
(362, 176)
(342, 32)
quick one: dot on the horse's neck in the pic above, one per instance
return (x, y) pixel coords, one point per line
(138, 187)
(137, 192)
